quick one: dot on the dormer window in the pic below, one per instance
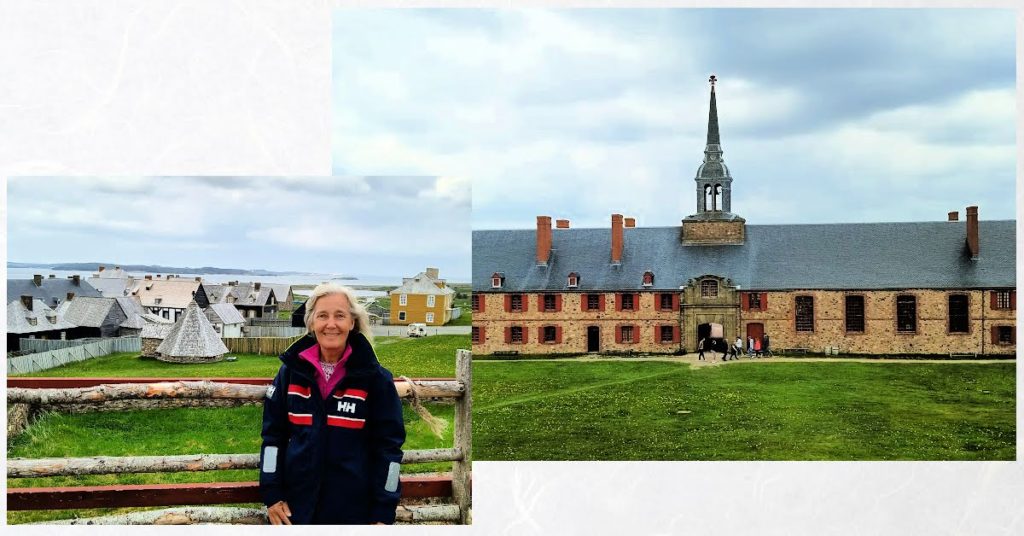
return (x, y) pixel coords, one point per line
(157, 300)
(648, 278)
(574, 280)
(497, 279)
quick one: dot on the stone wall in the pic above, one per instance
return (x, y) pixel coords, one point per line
(713, 232)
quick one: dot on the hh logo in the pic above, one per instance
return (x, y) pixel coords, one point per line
(347, 407)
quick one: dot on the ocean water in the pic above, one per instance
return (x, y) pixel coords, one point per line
(300, 279)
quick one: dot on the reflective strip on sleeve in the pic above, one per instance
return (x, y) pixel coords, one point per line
(391, 485)
(269, 459)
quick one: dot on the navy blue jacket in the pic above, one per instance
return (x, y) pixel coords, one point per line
(335, 461)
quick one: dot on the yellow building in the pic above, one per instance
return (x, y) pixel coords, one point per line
(424, 299)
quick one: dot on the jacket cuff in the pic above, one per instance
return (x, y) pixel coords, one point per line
(381, 513)
(272, 495)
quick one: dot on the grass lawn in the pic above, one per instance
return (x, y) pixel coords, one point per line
(621, 410)
(206, 430)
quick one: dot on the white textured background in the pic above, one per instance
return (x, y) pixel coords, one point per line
(218, 87)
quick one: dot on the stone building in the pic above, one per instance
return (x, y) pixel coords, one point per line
(936, 287)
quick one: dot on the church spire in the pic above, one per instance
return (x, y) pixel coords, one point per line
(713, 116)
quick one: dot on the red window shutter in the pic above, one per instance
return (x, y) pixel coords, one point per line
(675, 302)
(675, 334)
(636, 303)
(540, 334)
(508, 304)
(745, 301)
(483, 335)
(600, 303)
(618, 334)
(558, 303)
(583, 302)
(992, 299)
(540, 302)
(618, 303)
(995, 334)
(508, 334)
(764, 301)
(657, 301)
(558, 334)
(526, 335)
(1013, 299)
(636, 333)
(480, 303)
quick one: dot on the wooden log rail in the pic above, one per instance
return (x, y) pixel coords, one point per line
(105, 465)
(194, 389)
(63, 498)
(245, 516)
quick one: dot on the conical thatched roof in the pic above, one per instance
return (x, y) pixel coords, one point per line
(192, 339)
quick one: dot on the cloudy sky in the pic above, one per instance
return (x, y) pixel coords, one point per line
(367, 226)
(826, 115)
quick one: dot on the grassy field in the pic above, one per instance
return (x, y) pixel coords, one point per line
(208, 430)
(621, 410)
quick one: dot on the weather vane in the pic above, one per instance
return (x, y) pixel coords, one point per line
(713, 79)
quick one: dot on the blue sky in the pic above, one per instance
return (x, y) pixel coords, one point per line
(365, 226)
(826, 115)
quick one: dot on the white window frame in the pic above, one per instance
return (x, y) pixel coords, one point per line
(495, 282)
(430, 317)
(403, 299)
(431, 300)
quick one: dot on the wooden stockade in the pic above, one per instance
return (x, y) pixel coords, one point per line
(259, 345)
(55, 358)
(273, 331)
(46, 391)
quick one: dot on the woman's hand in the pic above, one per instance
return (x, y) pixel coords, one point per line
(279, 513)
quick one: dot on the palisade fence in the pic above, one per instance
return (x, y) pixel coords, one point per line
(268, 331)
(421, 494)
(260, 345)
(69, 354)
(268, 322)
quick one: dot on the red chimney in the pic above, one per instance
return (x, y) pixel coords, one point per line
(954, 216)
(630, 222)
(561, 224)
(543, 240)
(616, 238)
(26, 300)
(972, 231)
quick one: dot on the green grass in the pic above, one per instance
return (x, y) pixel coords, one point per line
(202, 430)
(426, 357)
(616, 410)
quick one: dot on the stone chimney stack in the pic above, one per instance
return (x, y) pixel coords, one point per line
(972, 231)
(616, 238)
(76, 280)
(954, 216)
(149, 277)
(630, 223)
(26, 300)
(256, 286)
(199, 279)
(543, 240)
(433, 273)
(561, 224)
(71, 296)
(102, 268)
(37, 280)
(52, 276)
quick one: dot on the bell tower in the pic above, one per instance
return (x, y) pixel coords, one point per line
(714, 223)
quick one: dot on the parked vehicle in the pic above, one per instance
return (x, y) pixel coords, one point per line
(417, 330)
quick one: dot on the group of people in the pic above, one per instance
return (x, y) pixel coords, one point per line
(756, 347)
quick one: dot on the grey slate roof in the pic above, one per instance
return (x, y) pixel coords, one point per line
(421, 283)
(52, 291)
(192, 336)
(112, 287)
(18, 318)
(87, 312)
(224, 313)
(773, 257)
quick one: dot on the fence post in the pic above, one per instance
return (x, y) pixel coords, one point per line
(463, 434)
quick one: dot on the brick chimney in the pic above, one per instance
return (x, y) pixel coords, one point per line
(954, 216)
(76, 280)
(26, 300)
(561, 224)
(616, 238)
(543, 240)
(630, 223)
(972, 231)
(71, 296)
(37, 280)
(433, 273)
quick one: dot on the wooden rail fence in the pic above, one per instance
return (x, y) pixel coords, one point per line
(48, 391)
(54, 358)
(259, 345)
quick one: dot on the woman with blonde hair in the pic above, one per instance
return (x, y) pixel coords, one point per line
(332, 423)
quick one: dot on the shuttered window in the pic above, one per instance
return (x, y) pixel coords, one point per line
(667, 334)
(517, 334)
(959, 322)
(550, 334)
(627, 333)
